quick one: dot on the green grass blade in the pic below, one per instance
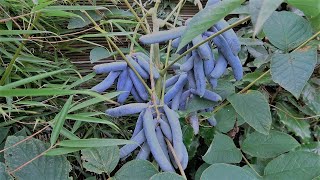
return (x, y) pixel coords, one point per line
(30, 79)
(94, 142)
(59, 121)
(62, 151)
(78, 117)
(93, 101)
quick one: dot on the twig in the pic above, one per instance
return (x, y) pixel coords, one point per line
(248, 163)
(176, 158)
(135, 15)
(13, 18)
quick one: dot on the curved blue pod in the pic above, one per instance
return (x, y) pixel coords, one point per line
(175, 43)
(139, 124)
(144, 152)
(184, 162)
(166, 129)
(230, 36)
(136, 96)
(220, 68)
(138, 68)
(122, 79)
(210, 63)
(209, 95)
(127, 109)
(203, 50)
(176, 87)
(146, 66)
(162, 36)
(212, 121)
(199, 75)
(183, 100)
(172, 80)
(177, 141)
(187, 65)
(225, 50)
(127, 89)
(175, 103)
(107, 82)
(138, 85)
(191, 80)
(162, 142)
(194, 122)
(128, 148)
(213, 82)
(108, 67)
(156, 150)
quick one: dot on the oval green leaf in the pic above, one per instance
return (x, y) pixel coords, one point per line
(226, 172)
(268, 146)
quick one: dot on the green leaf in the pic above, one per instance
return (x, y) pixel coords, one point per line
(30, 79)
(260, 11)
(310, 96)
(291, 30)
(197, 103)
(207, 133)
(200, 170)
(83, 20)
(4, 175)
(299, 127)
(258, 168)
(100, 160)
(78, 117)
(226, 118)
(3, 133)
(250, 77)
(58, 13)
(166, 176)
(268, 146)
(224, 89)
(292, 71)
(49, 92)
(254, 109)
(59, 121)
(94, 142)
(222, 150)
(99, 53)
(92, 101)
(21, 32)
(75, 8)
(293, 166)
(309, 7)
(50, 167)
(207, 18)
(62, 151)
(226, 172)
(315, 22)
(136, 170)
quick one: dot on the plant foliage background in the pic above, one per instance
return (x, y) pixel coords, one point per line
(52, 125)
